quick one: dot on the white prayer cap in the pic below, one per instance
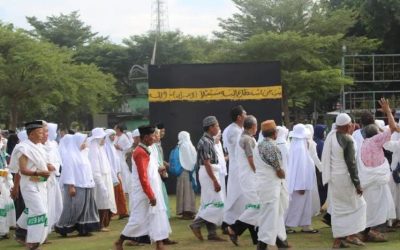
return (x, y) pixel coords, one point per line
(135, 133)
(110, 131)
(300, 131)
(98, 133)
(343, 119)
(380, 123)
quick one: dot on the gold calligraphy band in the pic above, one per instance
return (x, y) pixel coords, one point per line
(215, 94)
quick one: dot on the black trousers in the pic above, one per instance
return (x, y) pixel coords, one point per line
(239, 227)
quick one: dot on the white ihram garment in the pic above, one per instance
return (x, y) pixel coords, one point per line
(347, 208)
(247, 181)
(274, 198)
(394, 146)
(54, 195)
(34, 218)
(211, 202)
(235, 203)
(145, 219)
(376, 192)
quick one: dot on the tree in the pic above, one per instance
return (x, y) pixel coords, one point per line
(305, 36)
(64, 30)
(379, 19)
(36, 77)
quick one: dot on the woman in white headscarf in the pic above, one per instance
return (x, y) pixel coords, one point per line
(54, 195)
(301, 182)
(104, 191)
(115, 162)
(185, 197)
(79, 207)
(282, 144)
(312, 150)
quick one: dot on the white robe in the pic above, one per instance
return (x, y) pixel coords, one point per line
(301, 177)
(7, 209)
(375, 185)
(235, 203)
(124, 143)
(247, 182)
(394, 146)
(104, 190)
(145, 219)
(211, 202)
(347, 208)
(54, 195)
(274, 198)
(223, 171)
(316, 202)
(34, 218)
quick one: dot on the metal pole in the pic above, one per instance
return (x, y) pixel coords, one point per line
(373, 68)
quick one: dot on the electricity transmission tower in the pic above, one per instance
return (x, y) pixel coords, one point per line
(159, 23)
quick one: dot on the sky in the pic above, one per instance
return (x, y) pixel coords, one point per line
(120, 19)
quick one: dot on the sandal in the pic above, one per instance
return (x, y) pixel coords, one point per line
(232, 236)
(355, 241)
(374, 236)
(290, 231)
(311, 231)
(338, 243)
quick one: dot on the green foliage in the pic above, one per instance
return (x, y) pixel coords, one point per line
(378, 19)
(39, 80)
(63, 30)
(305, 36)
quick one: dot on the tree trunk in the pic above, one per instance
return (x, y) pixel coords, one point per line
(13, 115)
(285, 105)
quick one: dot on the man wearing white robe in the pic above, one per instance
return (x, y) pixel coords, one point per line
(148, 219)
(210, 213)
(235, 202)
(374, 172)
(271, 189)
(339, 169)
(247, 180)
(34, 173)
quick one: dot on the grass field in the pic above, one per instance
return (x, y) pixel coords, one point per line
(181, 233)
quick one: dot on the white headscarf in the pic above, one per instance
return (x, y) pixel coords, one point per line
(282, 134)
(112, 154)
(301, 167)
(98, 157)
(187, 152)
(22, 136)
(310, 130)
(52, 131)
(76, 166)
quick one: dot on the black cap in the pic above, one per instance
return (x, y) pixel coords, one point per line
(30, 126)
(34, 124)
(146, 130)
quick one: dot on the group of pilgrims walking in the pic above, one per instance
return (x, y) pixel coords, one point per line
(271, 186)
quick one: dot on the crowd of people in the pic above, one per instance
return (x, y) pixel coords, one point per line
(271, 187)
